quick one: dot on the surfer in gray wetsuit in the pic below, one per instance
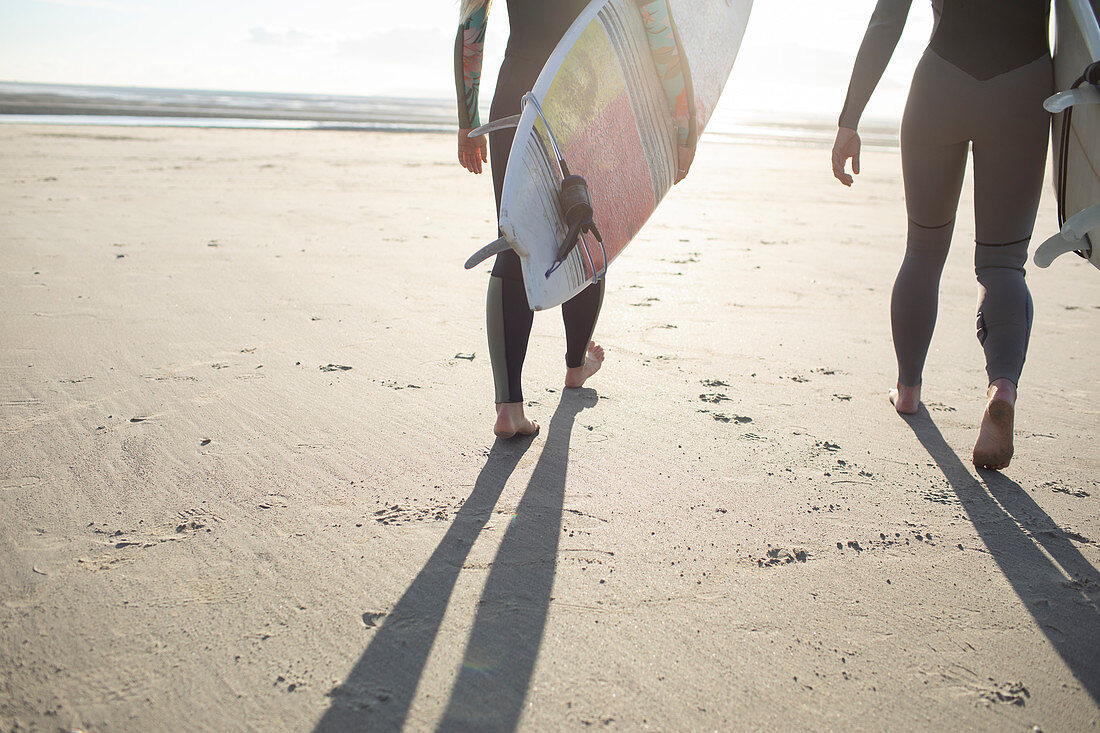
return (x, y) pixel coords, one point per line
(981, 81)
(535, 27)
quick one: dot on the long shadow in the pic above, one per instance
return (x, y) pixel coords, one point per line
(380, 688)
(1017, 532)
(511, 618)
(503, 645)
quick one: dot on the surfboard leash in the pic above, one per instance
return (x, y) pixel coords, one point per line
(575, 201)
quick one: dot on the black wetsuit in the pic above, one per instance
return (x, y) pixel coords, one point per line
(981, 81)
(535, 27)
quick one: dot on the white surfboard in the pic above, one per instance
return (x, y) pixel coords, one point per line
(599, 105)
(1076, 134)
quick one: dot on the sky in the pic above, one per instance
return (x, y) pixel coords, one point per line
(796, 55)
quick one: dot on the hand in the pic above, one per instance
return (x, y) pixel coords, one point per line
(472, 152)
(684, 156)
(846, 146)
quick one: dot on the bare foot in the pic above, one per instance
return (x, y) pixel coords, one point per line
(593, 360)
(905, 399)
(994, 447)
(511, 421)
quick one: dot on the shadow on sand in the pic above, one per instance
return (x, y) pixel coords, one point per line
(1033, 552)
(511, 615)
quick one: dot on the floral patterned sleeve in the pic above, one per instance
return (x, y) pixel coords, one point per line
(666, 55)
(469, 47)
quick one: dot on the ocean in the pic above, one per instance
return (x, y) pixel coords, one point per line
(73, 104)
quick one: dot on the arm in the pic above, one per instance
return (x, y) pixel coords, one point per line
(874, 54)
(670, 70)
(469, 47)
(878, 46)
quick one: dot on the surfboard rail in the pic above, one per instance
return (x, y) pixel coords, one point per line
(1075, 131)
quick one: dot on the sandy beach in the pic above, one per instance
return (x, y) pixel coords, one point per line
(248, 479)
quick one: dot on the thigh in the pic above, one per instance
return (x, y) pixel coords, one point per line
(934, 144)
(933, 176)
(1010, 155)
(515, 79)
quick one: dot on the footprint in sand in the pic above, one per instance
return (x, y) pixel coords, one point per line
(371, 618)
(739, 419)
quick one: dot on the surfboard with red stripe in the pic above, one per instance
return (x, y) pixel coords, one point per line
(603, 105)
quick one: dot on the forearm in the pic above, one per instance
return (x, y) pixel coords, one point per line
(469, 53)
(666, 56)
(878, 46)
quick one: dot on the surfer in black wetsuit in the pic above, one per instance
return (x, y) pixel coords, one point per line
(981, 82)
(535, 27)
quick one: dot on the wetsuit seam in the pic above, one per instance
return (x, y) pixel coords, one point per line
(1001, 244)
(947, 223)
(987, 79)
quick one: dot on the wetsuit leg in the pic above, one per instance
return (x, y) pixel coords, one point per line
(580, 313)
(508, 322)
(508, 316)
(933, 160)
(1009, 165)
(508, 313)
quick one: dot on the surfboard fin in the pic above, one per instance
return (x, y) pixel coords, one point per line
(1074, 233)
(1086, 90)
(504, 123)
(492, 248)
(1060, 102)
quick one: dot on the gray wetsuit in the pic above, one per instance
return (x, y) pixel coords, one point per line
(981, 82)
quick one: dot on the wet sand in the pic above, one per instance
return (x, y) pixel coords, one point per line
(248, 477)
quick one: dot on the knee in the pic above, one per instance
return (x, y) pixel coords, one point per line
(993, 257)
(929, 242)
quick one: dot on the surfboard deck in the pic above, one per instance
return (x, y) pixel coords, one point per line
(600, 96)
(1076, 147)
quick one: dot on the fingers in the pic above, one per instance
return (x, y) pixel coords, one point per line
(838, 168)
(846, 146)
(472, 153)
(469, 161)
(685, 156)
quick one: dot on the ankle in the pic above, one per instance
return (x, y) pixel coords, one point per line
(1003, 390)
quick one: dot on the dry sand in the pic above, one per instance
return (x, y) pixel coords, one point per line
(208, 522)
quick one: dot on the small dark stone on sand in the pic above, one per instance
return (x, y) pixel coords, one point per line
(334, 368)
